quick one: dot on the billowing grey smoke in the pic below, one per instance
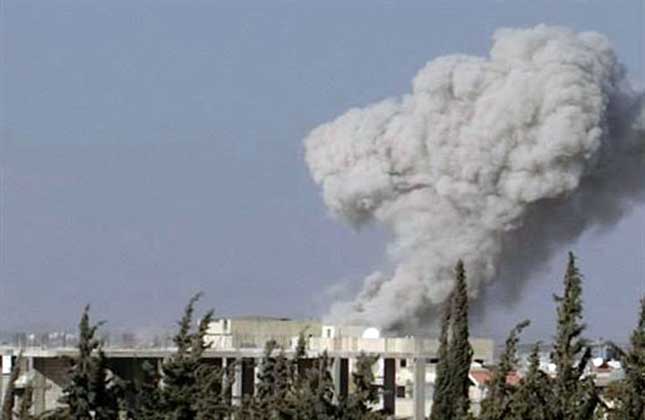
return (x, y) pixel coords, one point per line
(489, 160)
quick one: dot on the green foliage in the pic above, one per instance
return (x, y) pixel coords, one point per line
(629, 394)
(186, 380)
(90, 393)
(570, 394)
(442, 404)
(302, 389)
(314, 394)
(574, 396)
(107, 392)
(213, 390)
(283, 405)
(461, 353)
(264, 404)
(266, 385)
(451, 401)
(365, 395)
(147, 397)
(497, 404)
(188, 387)
(532, 398)
(299, 357)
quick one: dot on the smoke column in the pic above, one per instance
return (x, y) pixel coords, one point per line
(498, 161)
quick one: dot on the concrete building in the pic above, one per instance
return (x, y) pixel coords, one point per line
(404, 372)
(254, 331)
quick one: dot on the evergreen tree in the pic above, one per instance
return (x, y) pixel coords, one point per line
(273, 399)
(497, 404)
(460, 350)
(441, 401)
(262, 405)
(77, 394)
(283, 403)
(299, 358)
(630, 398)
(89, 393)
(532, 398)
(314, 396)
(180, 390)
(365, 393)
(266, 385)
(188, 387)
(451, 400)
(214, 387)
(106, 392)
(147, 395)
(575, 397)
(359, 404)
(211, 401)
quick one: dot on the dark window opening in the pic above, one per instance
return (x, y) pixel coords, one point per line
(400, 392)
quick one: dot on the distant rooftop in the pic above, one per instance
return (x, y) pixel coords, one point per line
(262, 318)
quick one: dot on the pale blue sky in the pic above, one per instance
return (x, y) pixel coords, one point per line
(151, 149)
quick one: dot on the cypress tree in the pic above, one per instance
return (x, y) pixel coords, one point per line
(451, 400)
(460, 349)
(532, 398)
(315, 393)
(441, 402)
(365, 393)
(264, 407)
(106, 392)
(359, 404)
(497, 404)
(89, 393)
(147, 395)
(266, 377)
(188, 388)
(283, 383)
(180, 389)
(77, 393)
(212, 401)
(299, 358)
(630, 401)
(575, 396)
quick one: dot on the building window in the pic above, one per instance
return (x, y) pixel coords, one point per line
(400, 391)
(404, 363)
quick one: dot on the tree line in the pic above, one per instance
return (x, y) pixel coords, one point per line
(187, 386)
(569, 394)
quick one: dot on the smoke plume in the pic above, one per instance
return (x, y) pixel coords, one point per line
(497, 161)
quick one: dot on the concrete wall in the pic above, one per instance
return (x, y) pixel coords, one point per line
(254, 332)
(483, 349)
(49, 376)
